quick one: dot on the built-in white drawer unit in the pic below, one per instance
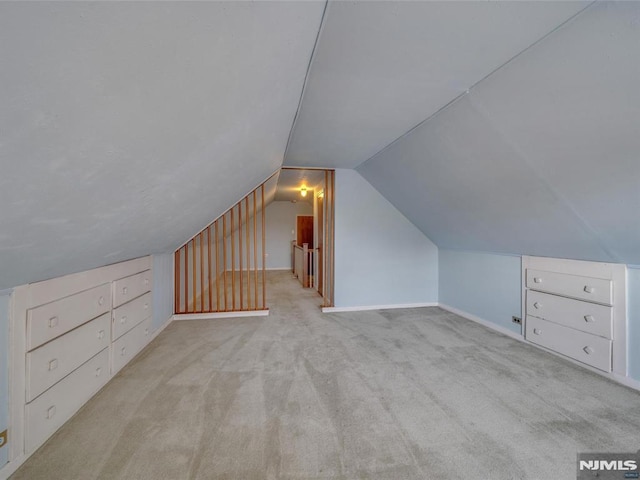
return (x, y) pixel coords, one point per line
(50, 410)
(128, 288)
(591, 289)
(585, 316)
(128, 345)
(127, 316)
(53, 361)
(46, 322)
(584, 347)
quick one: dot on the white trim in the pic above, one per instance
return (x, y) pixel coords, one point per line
(377, 307)
(481, 321)
(216, 315)
(278, 269)
(10, 468)
(159, 330)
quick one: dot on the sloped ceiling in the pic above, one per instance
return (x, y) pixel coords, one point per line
(127, 127)
(380, 68)
(542, 158)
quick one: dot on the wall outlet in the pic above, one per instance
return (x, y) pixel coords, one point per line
(517, 320)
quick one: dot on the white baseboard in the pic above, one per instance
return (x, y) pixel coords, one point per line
(377, 307)
(626, 381)
(10, 468)
(216, 315)
(159, 330)
(279, 269)
(482, 321)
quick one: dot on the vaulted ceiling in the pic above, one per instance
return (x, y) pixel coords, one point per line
(498, 126)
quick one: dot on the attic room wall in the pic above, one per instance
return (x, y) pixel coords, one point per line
(380, 257)
(5, 297)
(485, 285)
(281, 220)
(162, 289)
(633, 321)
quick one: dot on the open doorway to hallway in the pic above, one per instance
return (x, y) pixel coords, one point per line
(300, 228)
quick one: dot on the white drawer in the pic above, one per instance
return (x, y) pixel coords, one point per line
(56, 318)
(586, 348)
(127, 316)
(588, 317)
(55, 406)
(591, 289)
(55, 360)
(128, 345)
(128, 288)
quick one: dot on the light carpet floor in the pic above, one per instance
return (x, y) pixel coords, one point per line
(396, 394)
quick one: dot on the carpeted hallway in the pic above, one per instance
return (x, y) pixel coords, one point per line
(397, 394)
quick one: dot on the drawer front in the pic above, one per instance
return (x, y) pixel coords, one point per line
(585, 316)
(50, 410)
(126, 289)
(56, 318)
(127, 316)
(55, 360)
(128, 345)
(586, 348)
(597, 290)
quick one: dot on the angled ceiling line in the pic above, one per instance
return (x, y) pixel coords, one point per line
(306, 79)
(473, 86)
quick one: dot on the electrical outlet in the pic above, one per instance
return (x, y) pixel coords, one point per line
(517, 320)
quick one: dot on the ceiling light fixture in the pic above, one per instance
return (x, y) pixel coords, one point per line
(303, 191)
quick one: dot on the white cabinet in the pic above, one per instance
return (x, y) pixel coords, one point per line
(577, 309)
(71, 335)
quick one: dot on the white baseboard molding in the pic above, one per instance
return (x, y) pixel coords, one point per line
(10, 468)
(377, 307)
(482, 321)
(159, 330)
(216, 315)
(279, 269)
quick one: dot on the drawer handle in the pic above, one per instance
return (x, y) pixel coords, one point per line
(146, 306)
(537, 305)
(101, 334)
(146, 281)
(53, 322)
(588, 350)
(123, 351)
(537, 331)
(589, 289)
(125, 290)
(98, 371)
(537, 280)
(589, 318)
(51, 411)
(146, 332)
(123, 319)
(101, 300)
(53, 364)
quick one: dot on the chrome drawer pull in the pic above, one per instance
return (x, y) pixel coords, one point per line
(537, 280)
(588, 350)
(146, 281)
(51, 411)
(53, 322)
(537, 331)
(589, 289)
(123, 351)
(98, 371)
(589, 318)
(146, 332)
(123, 319)
(101, 334)
(101, 301)
(537, 305)
(146, 306)
(125, 290)
(53, 364)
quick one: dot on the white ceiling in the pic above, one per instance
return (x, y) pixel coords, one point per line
(290, 182)
(380, 68)
(127, 127)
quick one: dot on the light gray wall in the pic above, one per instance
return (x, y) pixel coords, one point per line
(541, 158)
(126, 127)
(280, 222)
(163, 284)
(482, 284)
(5, 297)
(380, 257)
(633, 321)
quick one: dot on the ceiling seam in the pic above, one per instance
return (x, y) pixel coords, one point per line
(306, 79)
(473, 86)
